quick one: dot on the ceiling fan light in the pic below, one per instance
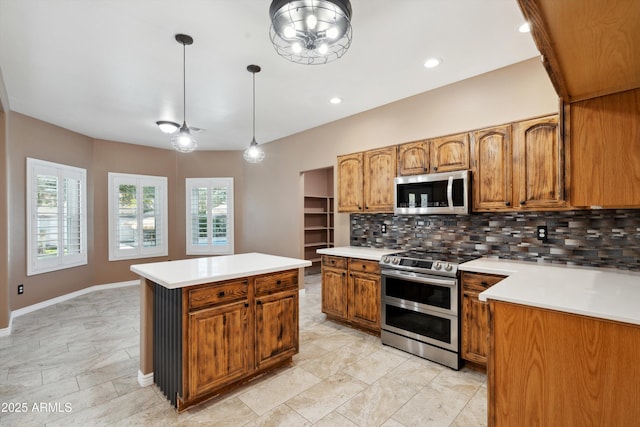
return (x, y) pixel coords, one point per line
(167, 127)
(323, 49)
(183, 141)
(332, 33)
(289, 31)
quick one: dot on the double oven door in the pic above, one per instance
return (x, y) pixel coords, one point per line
(421, 307)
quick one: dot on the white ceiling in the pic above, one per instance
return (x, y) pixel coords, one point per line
(110, 69)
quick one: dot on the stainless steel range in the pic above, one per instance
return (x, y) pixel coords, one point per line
(420, 304)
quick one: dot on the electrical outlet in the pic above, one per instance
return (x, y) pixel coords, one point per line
(383, 228)
(543, 233)
(20, 289)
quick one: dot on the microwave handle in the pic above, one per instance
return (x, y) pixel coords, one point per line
(450, 192)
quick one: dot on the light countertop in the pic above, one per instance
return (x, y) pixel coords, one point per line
(361, 252)
(602, 293)
(195, 271)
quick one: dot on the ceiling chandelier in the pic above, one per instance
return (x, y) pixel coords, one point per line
(183, 141)
(254, 154)
(310, 31)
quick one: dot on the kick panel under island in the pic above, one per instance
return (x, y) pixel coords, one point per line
(210, 324)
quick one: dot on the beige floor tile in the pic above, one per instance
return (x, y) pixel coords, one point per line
(331, 362)
(334, 419)
(475, 412)
(319, 400)
(374, 366)
(374, 405)
(265, 395)
(225, 413)
(281, 416)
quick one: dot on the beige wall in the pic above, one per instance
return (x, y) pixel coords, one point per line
(268, 195)
(513, 93)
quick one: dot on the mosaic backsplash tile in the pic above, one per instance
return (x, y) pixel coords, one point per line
(598, 238)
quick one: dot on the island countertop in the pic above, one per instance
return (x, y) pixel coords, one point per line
(601, 293)
(196, 271)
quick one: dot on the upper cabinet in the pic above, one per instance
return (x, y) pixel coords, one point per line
(519, 166)
(365, 181)
(589, 48)
(445, 154)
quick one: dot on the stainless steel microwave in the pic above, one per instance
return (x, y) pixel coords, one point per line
(434, 193)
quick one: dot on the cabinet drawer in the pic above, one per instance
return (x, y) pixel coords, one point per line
(479, 282)
(276, 282)
(364, 265)
(217, 293)
(334, 261)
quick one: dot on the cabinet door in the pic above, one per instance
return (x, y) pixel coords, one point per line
(276, 327)
(492, 180)
(538, 163)
(334, 291)
(364, 300)
(217, 347)
(475, 328)
(379, 173)
(450, 153)
(413, 158)
(350, 197)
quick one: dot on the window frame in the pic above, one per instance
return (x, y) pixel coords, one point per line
(61, 261)
(116, 179)
(210, 248)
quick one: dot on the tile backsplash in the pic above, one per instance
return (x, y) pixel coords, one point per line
(597, 238)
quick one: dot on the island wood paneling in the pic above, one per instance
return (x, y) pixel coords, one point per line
(548, 368)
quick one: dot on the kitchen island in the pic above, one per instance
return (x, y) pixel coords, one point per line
(564, 344)
(209, 324)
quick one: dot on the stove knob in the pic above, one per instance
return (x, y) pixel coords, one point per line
(437, 265)
(385, 260)
(448, 267)
(395, 261)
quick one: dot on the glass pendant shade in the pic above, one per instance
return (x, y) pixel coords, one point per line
(253, 154)
(310, 31)
(183, 141)
(167, 127)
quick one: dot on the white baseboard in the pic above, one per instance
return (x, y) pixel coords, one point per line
(145, 380)
(31, 308)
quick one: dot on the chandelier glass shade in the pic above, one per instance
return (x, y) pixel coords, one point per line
(254, 153)
(310, 31)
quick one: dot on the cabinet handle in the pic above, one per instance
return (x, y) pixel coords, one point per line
(344, 274)
(221, 294)
(435, 169)
(366, 207)
(246, 304)
(279, 282)
(259, 302)
(507, 203)
(364, 267)
(522, 202)
(483, 283)
(359, 207)
(425, 169)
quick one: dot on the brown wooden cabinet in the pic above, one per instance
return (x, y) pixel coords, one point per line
(492, 169)
(550, 368)
(519, 166)
(351, 291)
(350, 183)
(475, 317)
(444, 154)
(365, 181)
(236, 329)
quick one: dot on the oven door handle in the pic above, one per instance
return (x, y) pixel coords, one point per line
(419, 278)
(450, 192)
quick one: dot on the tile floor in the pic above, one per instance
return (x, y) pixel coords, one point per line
(76, 363)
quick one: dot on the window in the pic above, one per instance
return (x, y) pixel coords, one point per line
(137, 216)
(56, 216)
(209, 216)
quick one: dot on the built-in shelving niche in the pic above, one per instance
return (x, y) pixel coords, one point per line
(318, 213)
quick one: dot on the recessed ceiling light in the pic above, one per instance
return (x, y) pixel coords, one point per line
(335, 100)
(525, 28)
(432, 62)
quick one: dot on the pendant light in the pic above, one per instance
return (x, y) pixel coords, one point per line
(254, 154)
(183, 141)
(310, 31)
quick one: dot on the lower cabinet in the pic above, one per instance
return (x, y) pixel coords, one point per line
(475, 317)
(351, 291)
(235, 330)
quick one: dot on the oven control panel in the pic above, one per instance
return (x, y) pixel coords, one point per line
(420, 265)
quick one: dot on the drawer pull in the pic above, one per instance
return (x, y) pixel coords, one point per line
(279, 282)
(259, 302)
(246, 304)
(483, 283)
(221, 294)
